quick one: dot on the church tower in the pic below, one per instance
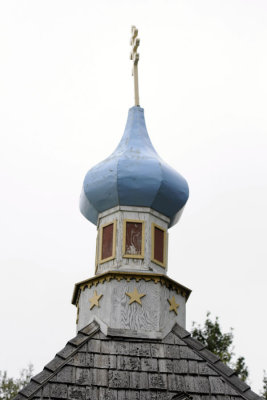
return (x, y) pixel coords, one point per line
(131, 342)
(133, 197)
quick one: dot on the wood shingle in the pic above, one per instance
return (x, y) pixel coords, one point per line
(94, 366)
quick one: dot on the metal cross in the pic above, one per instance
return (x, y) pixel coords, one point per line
(134, 56)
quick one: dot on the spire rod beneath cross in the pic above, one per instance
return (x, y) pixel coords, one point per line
(134, 56)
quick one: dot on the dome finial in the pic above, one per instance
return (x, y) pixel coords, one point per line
(134, 56)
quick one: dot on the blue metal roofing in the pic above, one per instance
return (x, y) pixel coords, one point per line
(134, 175)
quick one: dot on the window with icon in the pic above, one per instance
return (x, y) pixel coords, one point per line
(133, 239)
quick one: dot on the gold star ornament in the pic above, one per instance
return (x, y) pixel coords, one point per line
(173, 305)
(135, 296)
(95, 300)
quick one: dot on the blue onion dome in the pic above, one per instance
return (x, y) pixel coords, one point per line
(134, 175)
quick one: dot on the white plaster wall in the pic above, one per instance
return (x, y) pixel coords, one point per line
(145, 214)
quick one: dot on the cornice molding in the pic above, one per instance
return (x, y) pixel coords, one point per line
(128, 276)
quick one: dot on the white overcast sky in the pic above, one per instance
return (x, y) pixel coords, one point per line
(65, 90)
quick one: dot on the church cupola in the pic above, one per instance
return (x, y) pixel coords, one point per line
(134, 175)
(133, 197)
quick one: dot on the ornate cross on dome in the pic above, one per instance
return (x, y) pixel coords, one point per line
(134, 56)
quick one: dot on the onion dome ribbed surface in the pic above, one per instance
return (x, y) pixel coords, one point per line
(134, 175)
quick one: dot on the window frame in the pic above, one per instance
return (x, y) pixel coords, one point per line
(100, 260)
(96, 251)
(138, 256)
(153, 259)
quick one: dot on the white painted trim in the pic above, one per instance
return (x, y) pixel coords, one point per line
(134, 209)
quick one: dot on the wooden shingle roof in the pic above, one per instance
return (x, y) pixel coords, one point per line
(94, 366)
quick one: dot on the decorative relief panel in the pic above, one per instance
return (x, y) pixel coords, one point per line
(133, 239)
(141, 302)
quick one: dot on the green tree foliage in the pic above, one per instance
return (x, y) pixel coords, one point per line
(264, 390)
(221, 344)
(241, 369)
(9, 387)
